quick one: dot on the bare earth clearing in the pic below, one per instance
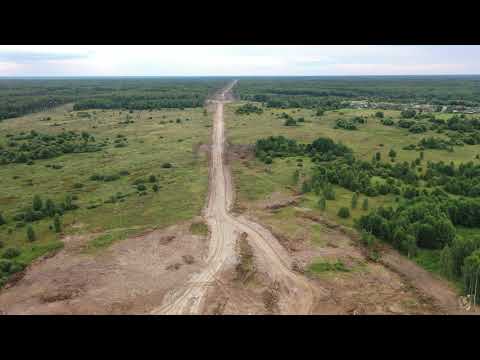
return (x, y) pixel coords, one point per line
(243, 269)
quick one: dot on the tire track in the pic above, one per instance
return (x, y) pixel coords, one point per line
(224, 230)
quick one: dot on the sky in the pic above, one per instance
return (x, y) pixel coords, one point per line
(237, 60)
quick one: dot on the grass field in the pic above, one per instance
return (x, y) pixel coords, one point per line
(154, 138)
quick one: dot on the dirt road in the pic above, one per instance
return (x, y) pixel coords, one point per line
(225, 230)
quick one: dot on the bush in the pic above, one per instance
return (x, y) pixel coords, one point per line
(379, 114)
(290, 122)
(11, 253)
(30, 233)
(344, 212)
(167, 165)
(354, 200)
(77, 185)
(57, 225)
(471, 274)
(152, 178)
(387, 122)
(155, 188)
(2, 220)
(417, 128)
(408, 114)
(322, 203)
(141, 187)
(365, 204)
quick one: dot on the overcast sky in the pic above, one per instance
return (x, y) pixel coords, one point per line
(236, 60)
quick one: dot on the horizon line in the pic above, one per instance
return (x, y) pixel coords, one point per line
(223, 76)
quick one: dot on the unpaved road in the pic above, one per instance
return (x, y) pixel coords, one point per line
(225, 230)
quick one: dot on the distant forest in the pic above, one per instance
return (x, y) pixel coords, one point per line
(22, 96)
(330, 92)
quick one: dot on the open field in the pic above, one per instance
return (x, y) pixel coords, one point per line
(112, 209)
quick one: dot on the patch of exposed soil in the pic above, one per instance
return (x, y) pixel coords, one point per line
(129, 277)
(244, 152)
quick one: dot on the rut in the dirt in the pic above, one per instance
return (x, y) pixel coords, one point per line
(225, 229)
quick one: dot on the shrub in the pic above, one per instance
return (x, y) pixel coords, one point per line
(387, 122)
(471, 273)
(37, 203)
(155, 188)
(30, 233)
(11, 253)
(77, 185)
(57, 225)
(344, 212)
(365, 204)
(152, 178)
(417, 128)
(408, 114)
(290, 122)
(329, 192)
(379, 114)
(2, 220)
(167, 165)
(354, 200)
(322, 203)
(141, 187)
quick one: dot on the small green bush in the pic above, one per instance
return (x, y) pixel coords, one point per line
(11, 253)
(344, 212)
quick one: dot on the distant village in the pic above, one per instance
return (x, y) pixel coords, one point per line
(365, 104)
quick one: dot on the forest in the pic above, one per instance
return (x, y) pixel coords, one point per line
(23, 96)
(332, 92)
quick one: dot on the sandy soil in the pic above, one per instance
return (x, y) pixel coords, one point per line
(131, 277)
(297, 293)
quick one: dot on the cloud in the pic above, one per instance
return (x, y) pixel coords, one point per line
(241, 60)
(25, 57)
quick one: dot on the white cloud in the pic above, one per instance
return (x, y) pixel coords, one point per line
(142, 60)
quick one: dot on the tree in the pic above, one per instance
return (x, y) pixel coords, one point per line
(37, 203)
(57, 225)
(407, 114)
(365, 204)
(155, 187)
(379, 114)
(30, 233)
(344, 212)
(2, 219)
(378, 156)
(392, 153)
(290, 122)
(354, 200)
(322, 203)
(471, 275)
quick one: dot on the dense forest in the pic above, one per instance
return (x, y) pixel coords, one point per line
(331, 92)
(22, 96)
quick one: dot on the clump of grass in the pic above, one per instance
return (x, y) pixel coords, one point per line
(199, 228)
(325, 266)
